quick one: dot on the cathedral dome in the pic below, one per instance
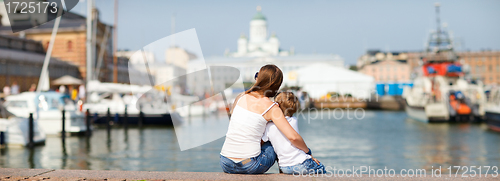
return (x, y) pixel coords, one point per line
(273, 38)
(259, 15)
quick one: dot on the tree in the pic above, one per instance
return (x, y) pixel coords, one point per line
(353, 68)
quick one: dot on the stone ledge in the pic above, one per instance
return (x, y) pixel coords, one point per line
(49, 174)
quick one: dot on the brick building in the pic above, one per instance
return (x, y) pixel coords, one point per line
(484, 65)
(385, 66)
(70, 44)
(21, 62)
(401, 66)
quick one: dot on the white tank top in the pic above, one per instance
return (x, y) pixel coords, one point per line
(244, 133)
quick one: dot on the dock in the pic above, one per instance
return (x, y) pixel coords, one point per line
(50, 174)
(342, 102)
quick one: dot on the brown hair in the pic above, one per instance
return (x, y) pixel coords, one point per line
(288, 103)
(268, 82)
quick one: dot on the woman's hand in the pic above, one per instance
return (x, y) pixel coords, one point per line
(315, 160)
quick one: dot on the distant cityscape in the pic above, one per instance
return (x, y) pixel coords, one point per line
(252, 52)
(399, 66)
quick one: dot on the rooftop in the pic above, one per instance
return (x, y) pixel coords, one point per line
(69, 22)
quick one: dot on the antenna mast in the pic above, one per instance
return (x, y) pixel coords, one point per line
(173, 30)
(438, 23)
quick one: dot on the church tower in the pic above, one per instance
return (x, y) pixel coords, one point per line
(258, 43)
(258, 27)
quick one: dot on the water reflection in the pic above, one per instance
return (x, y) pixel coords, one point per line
(445, 145)
(381, 139)
(389, 139)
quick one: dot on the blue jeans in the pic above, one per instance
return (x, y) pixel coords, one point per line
(306, 167)
(257, 165)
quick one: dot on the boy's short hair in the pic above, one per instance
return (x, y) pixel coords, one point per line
(288, 103)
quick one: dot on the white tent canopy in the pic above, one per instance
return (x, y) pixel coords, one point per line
(321, 78)
(67, 80)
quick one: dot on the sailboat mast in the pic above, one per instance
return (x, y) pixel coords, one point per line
(88, 74)
(115, 44)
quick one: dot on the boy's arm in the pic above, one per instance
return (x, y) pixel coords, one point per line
(276, 114)
(295, 125)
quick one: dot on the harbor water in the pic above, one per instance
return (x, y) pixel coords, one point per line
(377, 139)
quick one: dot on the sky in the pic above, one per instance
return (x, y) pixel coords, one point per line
(346, 28)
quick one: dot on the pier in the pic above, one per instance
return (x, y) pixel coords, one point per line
(50, 174)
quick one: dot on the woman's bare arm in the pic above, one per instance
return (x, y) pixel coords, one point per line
(282, 124)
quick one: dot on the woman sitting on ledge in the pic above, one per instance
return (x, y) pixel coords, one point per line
(242, 151)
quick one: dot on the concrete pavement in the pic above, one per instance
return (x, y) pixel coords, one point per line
(50, 174)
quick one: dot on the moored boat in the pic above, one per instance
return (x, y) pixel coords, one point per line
(16, 129)
(441, 92)
(492, 110)
(47, 111)
(142, 104)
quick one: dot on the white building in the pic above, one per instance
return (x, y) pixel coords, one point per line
(178, 57)
(168, 73)
(259, 44)
(139, 59)
(318, 79)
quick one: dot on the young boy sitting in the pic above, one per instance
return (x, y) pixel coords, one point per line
(291, 160)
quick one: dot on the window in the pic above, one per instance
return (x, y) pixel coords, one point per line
(69, 46)
(17, 104)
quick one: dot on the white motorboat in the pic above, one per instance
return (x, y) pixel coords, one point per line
(116, 97)
(16, 129)
(47, 111)
(440, 91)
(192, 106)
(442, 99)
